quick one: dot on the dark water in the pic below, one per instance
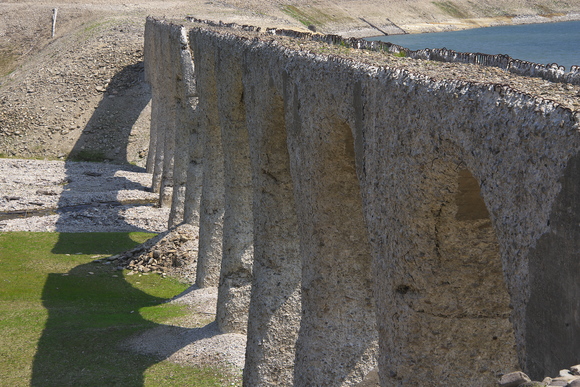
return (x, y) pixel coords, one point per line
(539, 43)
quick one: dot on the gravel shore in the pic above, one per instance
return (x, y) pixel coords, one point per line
(69, 196)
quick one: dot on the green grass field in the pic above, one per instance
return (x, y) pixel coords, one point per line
(62, 316)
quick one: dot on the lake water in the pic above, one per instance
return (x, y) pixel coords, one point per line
(540, 43)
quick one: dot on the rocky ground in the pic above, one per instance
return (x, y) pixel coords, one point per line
(77, 197)
(566, 378)
(84, 96)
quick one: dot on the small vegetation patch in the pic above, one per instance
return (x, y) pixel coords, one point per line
(95, 26)
(546, 11)
(299, 15)
(313, 17)
(7, 61)
(451, 9)
(88, 155)
(63, 316)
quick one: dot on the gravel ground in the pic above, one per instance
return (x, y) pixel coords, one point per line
(77, 197)
(196, 340)
(98, 197)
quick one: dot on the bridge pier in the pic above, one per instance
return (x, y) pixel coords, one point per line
(238, 235)
(186, 100)
(274, 315)
(212, 196)
(337, 343)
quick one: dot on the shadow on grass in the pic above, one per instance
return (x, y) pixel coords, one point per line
(92, 309)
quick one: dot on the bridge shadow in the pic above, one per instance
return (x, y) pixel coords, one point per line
(87, 319)
(105, 138)
(106, 135)
(92, 310)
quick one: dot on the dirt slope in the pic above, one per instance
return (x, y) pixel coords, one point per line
(83, 92)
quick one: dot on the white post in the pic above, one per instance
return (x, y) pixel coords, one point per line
(54, 12)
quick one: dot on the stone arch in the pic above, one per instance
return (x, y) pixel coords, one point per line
(337, 342)
(450, 306)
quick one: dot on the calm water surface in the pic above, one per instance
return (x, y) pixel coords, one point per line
(539, 43)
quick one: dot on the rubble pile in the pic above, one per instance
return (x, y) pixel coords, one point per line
(566, 378)
(173, 252)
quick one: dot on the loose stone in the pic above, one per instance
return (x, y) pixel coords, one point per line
(514, 379)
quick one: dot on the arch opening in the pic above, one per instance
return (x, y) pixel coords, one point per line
(455, 314)
(338, 340)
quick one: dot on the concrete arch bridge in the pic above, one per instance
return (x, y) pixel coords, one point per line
(361, 211)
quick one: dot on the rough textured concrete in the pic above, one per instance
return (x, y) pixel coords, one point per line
(193, 184)
(186, 143)
(552, 314)
(185, 102)
(516, 154)
(149, 45)
(337, 342)
(212, 196)
(170, 44)
(274, 316)
(433, 215)
(238, 247)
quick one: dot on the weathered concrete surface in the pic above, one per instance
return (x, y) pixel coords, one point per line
(337, 342)
(274, 316)
(212, 196)
(173, 122)
(238, 247)
(554, 287)
(516, 154)
(162, 73)
(185, 127)
(433, 215)
(149, 46)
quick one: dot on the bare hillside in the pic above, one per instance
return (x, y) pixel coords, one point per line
(83, 92)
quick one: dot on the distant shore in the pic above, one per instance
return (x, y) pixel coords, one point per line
(457, 24)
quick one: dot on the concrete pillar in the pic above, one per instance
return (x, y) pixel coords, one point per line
(238, 245)
(149, 46)
(186, 100)
(193, 185)
(337, 343)
(553, 310)
(156, 74)
(159, 106)
(170, 58)
(274, 317)
(212, 197)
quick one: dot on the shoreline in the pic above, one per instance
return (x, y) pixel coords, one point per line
(457, 25)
